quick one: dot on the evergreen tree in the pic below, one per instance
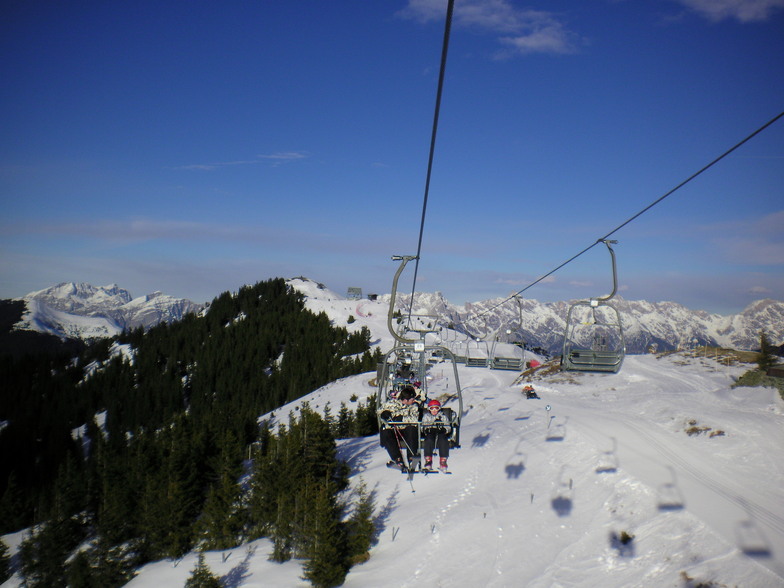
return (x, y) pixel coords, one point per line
(112, 566)
(326, 563)
(5, 562)
(12, 507)
(202, 576)
(345, 422)
(283, 531)
(80, 572)
(220, 523)
(366, 420)
(43, 554)
(765, 358)
(361, 528)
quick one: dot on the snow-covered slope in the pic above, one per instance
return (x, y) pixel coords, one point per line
(86, 311)
(45, 319)
(666, 451)
(541, 497)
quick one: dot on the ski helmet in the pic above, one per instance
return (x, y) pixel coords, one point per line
(433, 403)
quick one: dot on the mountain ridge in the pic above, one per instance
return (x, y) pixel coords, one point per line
(80, 310)
(660, 325)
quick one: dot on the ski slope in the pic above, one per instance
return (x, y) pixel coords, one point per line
(539, 498)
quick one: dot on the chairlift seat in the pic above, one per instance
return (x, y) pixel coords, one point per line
(589, 360)
(607, 352)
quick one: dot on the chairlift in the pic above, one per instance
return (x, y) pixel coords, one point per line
(421, 356)
(477, 353)
(594, 341)
(508, 354)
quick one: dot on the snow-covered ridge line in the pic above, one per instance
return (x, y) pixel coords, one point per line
(84, 311)
(665, 325)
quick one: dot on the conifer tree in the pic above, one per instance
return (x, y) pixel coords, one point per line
(345, 422)
(101, 567)
(366, 420)
(361, 528)
(112, 565)
(115, 505)
(43, 554)
(220, 522)
(765, 358)
(202, 576)
(283, 531)
(326, 563)
(80, 573)
(12, 507)
(5, 562)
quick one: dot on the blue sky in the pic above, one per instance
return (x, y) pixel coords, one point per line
(193, 147)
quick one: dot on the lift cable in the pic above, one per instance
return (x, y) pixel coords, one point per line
(630, 219)
(447, 27)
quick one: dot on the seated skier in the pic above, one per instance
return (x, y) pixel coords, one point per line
(530, 392)
(403, 414)
(436, 427)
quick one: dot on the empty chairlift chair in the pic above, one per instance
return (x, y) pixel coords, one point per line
(594, 341)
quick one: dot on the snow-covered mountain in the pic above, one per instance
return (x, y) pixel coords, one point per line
(660, 475)
(667, 325)
(85, 311)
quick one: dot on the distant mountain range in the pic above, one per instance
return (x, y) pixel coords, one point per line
(78, 310)
(665, 325)
(82, 311)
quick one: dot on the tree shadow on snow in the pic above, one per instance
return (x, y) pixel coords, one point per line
(380, 521)
(562, 505)
(357, 458)
(235, 577)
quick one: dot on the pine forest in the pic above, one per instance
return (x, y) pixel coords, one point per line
(178, 459)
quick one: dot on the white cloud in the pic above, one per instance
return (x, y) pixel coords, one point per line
(275, 158)
(547, 39)
(760, 291)
(579, 284)
(520, 30)
(741, 10)
(754, 242)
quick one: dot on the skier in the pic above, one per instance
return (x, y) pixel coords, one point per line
(530, 392)
(436, 424)
(403, 414)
